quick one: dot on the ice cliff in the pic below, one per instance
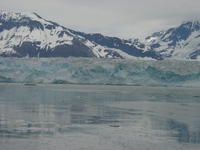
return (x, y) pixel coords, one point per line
(99, 71)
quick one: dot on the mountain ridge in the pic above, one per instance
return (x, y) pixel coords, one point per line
(29, 35)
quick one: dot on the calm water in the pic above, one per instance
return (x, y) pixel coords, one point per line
(98, 117)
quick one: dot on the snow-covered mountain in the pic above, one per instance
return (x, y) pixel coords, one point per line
(29, 35)
(182, 42)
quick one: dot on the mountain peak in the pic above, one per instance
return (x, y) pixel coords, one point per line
(190, 22)
(180, 42)
(194, 25)
(22, 18)
(31, 15)
(4, 15)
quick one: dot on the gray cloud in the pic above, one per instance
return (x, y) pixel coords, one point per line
(122, 18)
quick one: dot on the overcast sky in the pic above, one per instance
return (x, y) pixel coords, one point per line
(121, 18)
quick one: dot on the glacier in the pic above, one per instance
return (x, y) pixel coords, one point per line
(100, 71)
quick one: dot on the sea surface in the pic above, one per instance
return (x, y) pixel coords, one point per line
(98, 117)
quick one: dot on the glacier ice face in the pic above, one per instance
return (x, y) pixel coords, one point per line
(99, 71)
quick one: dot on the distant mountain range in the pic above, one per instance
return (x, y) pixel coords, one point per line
(29, 35)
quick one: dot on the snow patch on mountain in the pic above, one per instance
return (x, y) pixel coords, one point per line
(35, 17)
(46, 38)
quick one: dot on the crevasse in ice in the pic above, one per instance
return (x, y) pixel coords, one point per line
(100, 71)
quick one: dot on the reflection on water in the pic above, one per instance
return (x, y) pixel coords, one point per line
(112, 113)
(179, 130)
